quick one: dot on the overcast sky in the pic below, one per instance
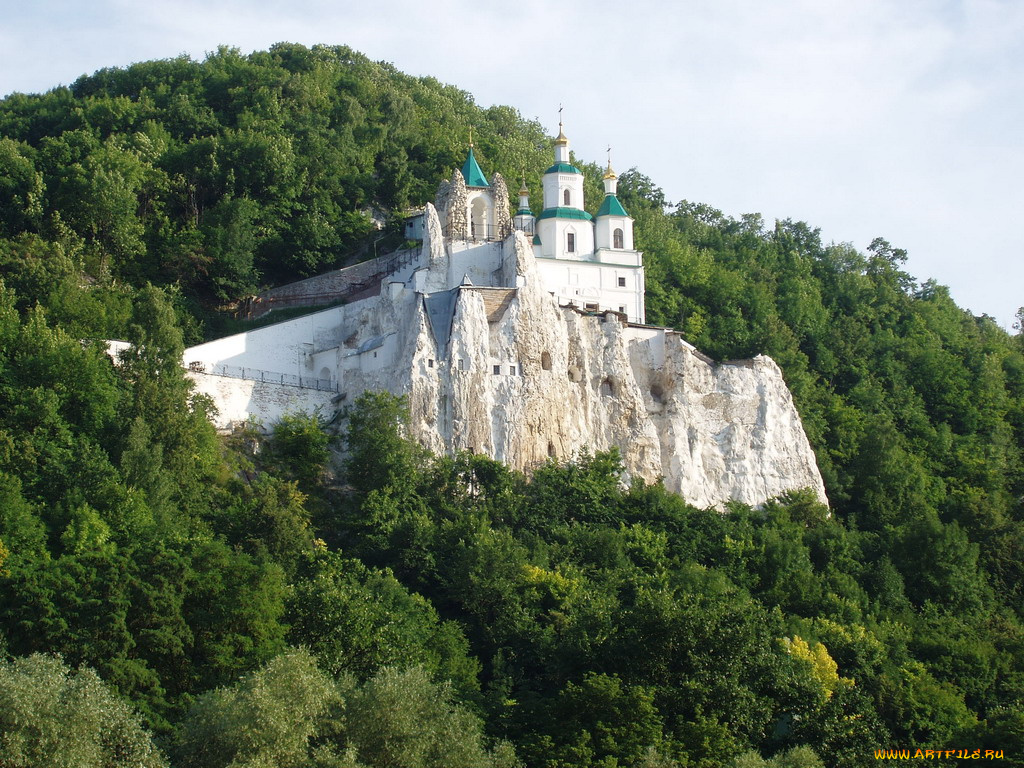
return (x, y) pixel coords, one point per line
(892, 118)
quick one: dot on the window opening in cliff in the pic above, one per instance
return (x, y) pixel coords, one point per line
(430, 362)
(462, 364)
(607, 388)
(657, 393)
(497, 370)
(545, 361)
(551, 450)
(617, 243)
(511, 370)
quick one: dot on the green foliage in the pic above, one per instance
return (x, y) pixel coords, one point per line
(359, 620)
(379, 455)
(291, 714)
(299, 447)
(270, 717)
(51, 715)
(223, 174)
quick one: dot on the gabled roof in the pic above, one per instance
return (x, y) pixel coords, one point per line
(611, 207)
(471, 172)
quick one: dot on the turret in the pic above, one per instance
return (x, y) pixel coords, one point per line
(524, 220)
(479, 199)
(613, 227)
(563, 227)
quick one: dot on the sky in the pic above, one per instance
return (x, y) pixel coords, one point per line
(899, 119)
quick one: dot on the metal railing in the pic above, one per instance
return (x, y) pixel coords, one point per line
(257, 306)
(480, 232)
(271, 377)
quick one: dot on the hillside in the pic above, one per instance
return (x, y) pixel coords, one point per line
(462, 610)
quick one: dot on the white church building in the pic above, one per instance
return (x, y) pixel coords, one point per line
(583, 260)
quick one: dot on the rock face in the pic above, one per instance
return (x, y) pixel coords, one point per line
(523, 380)
(492, 363)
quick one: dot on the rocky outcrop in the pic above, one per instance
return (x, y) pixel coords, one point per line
(535, 380)
(455, 208)
(502, 213)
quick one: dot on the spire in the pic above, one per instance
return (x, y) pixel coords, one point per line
(524, 199)
(610, 181)
(471, 168)
(610, 174)
(561, 141)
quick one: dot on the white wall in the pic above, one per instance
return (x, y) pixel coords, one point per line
(284, 347)
(584, 282)
(239, 399)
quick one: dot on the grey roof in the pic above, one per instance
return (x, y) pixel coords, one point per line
(371, 344)
(440, 309)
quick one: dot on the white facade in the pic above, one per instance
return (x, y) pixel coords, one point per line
(586, 261)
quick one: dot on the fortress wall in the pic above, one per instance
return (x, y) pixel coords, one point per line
(283, 347)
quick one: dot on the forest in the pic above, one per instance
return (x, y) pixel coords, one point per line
(170, 597)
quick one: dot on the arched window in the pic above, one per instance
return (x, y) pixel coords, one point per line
(565, 197)
(617, 239)
(570, 243)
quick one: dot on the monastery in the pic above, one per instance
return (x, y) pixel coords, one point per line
(522, 337)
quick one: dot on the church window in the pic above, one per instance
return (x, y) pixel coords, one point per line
(622, 310)
(622, 282)
(565, 197)
(617, 240)
(570, 244)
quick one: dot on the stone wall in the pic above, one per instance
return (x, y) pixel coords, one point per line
(238, 400)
